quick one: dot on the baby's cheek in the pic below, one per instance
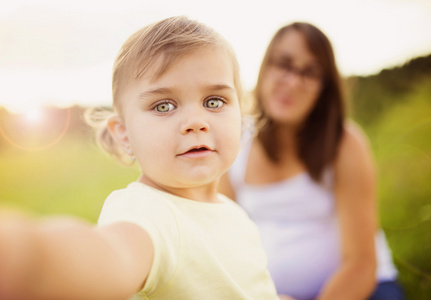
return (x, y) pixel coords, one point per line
(232, 149)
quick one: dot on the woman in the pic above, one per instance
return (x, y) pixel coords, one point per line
(306, 177)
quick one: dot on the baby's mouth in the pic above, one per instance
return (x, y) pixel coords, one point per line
(197, 152)
(198, 149)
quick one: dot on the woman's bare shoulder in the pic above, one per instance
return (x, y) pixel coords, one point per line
(354, 148)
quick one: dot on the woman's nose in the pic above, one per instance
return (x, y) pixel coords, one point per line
(292, 78)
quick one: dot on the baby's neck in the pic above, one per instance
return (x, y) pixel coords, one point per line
(206, 193)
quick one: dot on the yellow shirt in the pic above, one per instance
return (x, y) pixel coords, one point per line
(202, 250)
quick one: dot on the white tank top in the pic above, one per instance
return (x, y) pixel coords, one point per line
(299, 229)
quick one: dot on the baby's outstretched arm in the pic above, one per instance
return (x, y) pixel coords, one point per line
(67, 258)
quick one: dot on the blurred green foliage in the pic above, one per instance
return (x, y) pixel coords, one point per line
(393, 107)
(71, 177)
(376, 94)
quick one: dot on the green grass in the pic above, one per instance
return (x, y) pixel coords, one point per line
(72, 177)
(401, 141)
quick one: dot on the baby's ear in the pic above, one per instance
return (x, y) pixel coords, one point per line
(118, 131)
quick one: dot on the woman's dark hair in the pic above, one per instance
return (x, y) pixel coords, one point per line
(320, 134)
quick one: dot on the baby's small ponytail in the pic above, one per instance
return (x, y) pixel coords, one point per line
(97, 118)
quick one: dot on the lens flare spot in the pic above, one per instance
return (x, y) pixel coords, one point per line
(34, 116)
(37, 115)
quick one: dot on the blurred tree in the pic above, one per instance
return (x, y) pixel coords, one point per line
(372, 95)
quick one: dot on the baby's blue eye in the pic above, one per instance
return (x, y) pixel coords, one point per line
(164, 107)
(214, 103)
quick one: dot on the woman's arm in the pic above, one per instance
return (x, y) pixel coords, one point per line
(355, 191)
(70, 259)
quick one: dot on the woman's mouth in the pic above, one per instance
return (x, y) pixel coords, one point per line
(285, 101)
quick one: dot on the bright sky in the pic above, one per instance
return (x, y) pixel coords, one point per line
(55, 52)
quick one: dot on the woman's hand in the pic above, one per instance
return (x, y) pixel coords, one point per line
(285, 297)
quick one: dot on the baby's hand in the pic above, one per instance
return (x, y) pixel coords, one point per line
(15, 232)
(285, 297)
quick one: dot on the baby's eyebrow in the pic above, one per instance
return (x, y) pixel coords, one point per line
(219, 87)
(157, 91)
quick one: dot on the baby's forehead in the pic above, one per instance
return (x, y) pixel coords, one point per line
(152, 73)
(153, 68)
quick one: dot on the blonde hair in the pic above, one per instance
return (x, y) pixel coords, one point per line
(169, 39)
